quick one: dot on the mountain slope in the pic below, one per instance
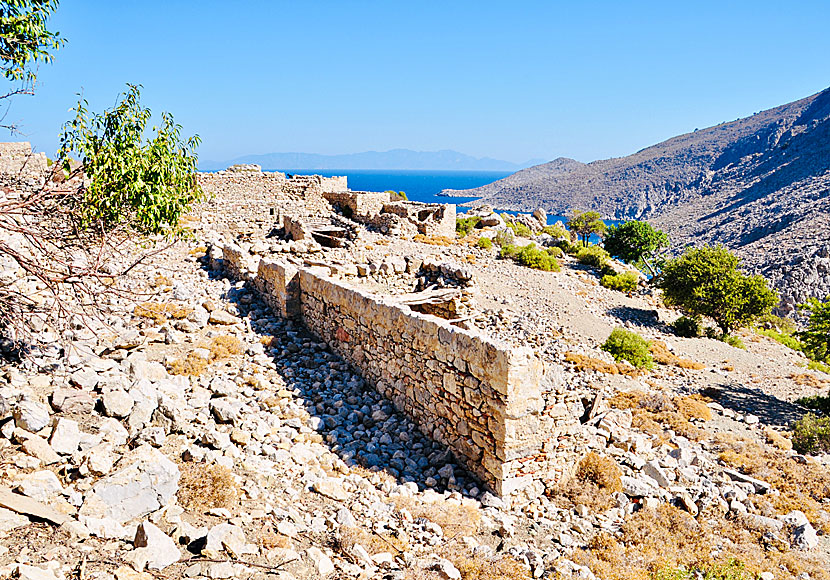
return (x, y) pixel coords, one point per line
(759, 185)
(444, 160)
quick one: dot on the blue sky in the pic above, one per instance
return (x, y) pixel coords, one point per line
(511, 80)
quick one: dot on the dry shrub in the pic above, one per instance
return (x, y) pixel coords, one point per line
(586, 363)
(198, 251)
(776, 439)
(192, 365)
(433, 240)
(203, 487)
(470, 258)
(159, 312)
(661, 354)
(373, 542)
(499, 567)
(800, 487)
(654, 413)
(600, 470)
(269, 539)
(160, 281)
(224, 346)
(455, 520)
(808, 380)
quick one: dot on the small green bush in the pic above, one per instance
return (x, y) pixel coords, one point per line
(811, 434)
(625, 282)
(818, 403)
(593, 256)
(607, 270)
(556, 251)
(484, 243)
(518, 228)
(503, 238)
(786, 339)
(464, 226)
(733, 341)
(814, 365)
(626, 345)
(557, 230)
(687, 327)
(782, 325)
(568, 247)
(530, 256)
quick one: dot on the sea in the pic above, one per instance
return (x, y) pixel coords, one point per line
(419, 185)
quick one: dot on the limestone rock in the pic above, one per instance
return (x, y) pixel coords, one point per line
(31, 415)
(222, 317)
(66, 436)
(41, 486)
(117, 403)
(161, 550)
(322, 563)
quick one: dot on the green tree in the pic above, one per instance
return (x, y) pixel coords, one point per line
(816, 339)
(586, 223)
(25, 41)
(706, 282)
(146, 185)
(634, 242)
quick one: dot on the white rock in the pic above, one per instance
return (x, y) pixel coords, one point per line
(227, 537)
(66, 436)
(804, 537)
(10, 520)
(41, 485)
(31, 415)
(161, 550)
(117, 403)
(322, 563)
(26, 572)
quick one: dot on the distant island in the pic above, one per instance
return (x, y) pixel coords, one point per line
(394, 159)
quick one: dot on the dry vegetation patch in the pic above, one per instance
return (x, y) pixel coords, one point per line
(220, 347)
(655, 412)
(433, 240)
(586, 363)
(597, 479)
(799, 486)
(203, 487)
(160, 312)
(373, 542)
(501, 567)
(808, 380)
(662, 355)
(456, 520)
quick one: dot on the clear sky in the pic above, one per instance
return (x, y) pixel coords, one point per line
(512, 80)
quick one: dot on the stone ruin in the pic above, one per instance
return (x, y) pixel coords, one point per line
(400, 321)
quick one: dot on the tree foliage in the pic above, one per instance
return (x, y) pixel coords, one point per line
(145, 184)
(634, 242)
(816, 338)
(586, 224)
(706, 282)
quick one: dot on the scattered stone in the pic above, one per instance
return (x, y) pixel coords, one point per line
(117, 403)
(331, 488)
(27, 506)
(31, 415)
(41, 486)
(322, 563)
(66, 436)
(161, 550)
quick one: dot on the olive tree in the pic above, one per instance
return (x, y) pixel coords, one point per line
(706, 281)
(586, 224)
(635, 242)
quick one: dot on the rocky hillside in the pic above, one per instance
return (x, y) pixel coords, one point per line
(760, 185)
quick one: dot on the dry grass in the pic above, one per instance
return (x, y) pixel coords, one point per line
(500, 567)
(776, 439)
(668, 538)
(586, 363)
(433, 240)
(160, 312)
(203, 487)
(470, 258)
(808, 380)
(198, 251)
(600, 470)
(373, 542)
(268, 539)
(800, 487)
(455, 520)
(221, 347)
(662, 355)
(654, 413)
(161, 281)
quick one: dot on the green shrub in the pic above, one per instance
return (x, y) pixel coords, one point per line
(782, 325)
(530, 256)
(558, 231)
(818, 403)
(811, 434)
(568, 247)
(785, 339)
(464, 226)
(733, 341)
(625, 282)
(814, 365)
(484, 243)
(556, 251)
(503, 238)
(518, 228)
(608, 270)
(626, 345)
(816, 338)
(593, 256)
(686, 326)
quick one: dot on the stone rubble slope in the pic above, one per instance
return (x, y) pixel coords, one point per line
(269, 457)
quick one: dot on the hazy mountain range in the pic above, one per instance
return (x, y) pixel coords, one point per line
(394, 159)
(760, 185)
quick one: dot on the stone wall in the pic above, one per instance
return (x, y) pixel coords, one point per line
(359, 203)
(20, 167)
(481, 398)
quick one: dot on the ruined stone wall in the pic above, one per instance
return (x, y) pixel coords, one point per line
(359, 203)
(478, 396)
(20, 168)
(253, 200)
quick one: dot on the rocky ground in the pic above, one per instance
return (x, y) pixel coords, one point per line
(191, 433)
